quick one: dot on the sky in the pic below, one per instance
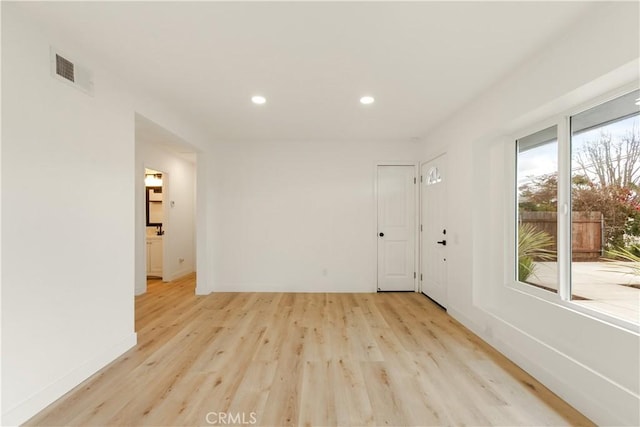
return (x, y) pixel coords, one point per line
(543, 160)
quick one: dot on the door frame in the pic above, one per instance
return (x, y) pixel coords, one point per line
(165, 218)
(173, 145)
(420, 267)
(374, 231)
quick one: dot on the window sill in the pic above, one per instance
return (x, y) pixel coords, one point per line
(575, 306)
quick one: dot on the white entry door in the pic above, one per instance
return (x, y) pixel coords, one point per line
(396, 228)
(433, 236)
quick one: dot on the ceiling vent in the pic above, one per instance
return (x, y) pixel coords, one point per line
(67, 70)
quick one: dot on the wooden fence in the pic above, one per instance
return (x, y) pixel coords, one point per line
(586, 231)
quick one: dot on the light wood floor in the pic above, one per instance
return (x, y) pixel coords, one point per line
(391, 359)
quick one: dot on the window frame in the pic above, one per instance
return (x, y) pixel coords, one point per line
(563, 297)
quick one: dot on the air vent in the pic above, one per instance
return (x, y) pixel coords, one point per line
(64, 68)
(69, 71)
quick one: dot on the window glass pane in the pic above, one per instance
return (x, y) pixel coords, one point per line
(537, 209)
(605, 200)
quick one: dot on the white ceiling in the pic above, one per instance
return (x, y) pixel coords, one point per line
(312, 60)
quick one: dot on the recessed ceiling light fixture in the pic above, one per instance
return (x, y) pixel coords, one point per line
(257, 99)
(367, 100)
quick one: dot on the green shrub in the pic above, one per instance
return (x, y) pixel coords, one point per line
(533, 245)
(525, 268)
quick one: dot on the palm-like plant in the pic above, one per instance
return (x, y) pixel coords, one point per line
(624, 259)
(533, 245)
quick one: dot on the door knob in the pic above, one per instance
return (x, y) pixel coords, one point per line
(381, 234)
(442, 242)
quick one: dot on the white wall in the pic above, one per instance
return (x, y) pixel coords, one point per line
(179, 227)
(68, 217)
(591, 364)
(286, 212)
(67, 289)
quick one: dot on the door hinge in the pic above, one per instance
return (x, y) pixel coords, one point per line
(414, 179)
(414, 274)
(420, 178)
(420, 276)
(420, 227)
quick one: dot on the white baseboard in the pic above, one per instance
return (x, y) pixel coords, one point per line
(601, 400)
(40, 400)
(296, 288)
(179, 273)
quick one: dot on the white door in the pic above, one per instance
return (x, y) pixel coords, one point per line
(433, 236)
(396, 228)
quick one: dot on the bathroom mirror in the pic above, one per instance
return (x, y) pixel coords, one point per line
(154, 206)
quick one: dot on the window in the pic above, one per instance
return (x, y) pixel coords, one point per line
(578, 214)
(537, 209)
(605, 207)
(433, 176)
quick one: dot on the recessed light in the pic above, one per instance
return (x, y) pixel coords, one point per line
(258, 99)
(367, 100)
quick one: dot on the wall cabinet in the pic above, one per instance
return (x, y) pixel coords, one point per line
(154, 256)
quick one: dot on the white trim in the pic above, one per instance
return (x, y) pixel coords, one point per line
(553, 298)
(563, 225)
(140, 233)
(511, 211)
(563, 297)
(416, 255)
(537, 126)
(41, 399)
(601, 99)
(166, 220)
(180, 273)
(203, 235)
(267, 287)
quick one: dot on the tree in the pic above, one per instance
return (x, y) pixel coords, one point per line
(608, 182)
(618, 205)
(609, 161)
(540, 194)
(605, 180)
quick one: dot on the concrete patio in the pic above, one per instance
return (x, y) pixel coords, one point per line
(603, 286)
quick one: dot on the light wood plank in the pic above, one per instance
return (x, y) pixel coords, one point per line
(308, 360)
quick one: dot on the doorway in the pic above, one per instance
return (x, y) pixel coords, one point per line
(155, 220)
(433, 230)
(174, 161)
(396, 210)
